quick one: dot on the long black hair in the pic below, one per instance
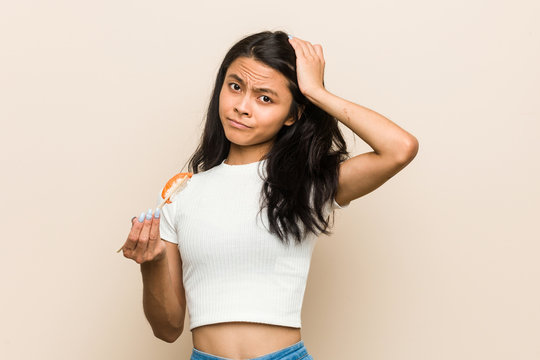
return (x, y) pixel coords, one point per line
(303, 163)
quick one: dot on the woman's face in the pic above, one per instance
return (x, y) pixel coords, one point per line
(256, 96)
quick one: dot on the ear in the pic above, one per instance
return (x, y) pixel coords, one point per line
(300, 111)
(290, 120)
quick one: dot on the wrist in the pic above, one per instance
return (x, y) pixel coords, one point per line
(154, 264)
(315, 94)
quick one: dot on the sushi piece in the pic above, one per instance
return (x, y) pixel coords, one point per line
(175, 184)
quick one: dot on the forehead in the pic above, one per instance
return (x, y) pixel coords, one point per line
(257, 73)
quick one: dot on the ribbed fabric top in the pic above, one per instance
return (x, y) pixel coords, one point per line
(234, 269)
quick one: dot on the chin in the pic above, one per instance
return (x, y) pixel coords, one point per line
(239, 142)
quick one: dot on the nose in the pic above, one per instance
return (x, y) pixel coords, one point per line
(242, 105)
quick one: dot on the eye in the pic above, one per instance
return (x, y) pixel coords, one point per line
(267, 102)
(233, 84)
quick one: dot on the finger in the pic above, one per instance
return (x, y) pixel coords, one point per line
(305, 48)
(142, 244)
(154, 231)
(311, 50)
(133, 236)
(319, 51)
(296, 44)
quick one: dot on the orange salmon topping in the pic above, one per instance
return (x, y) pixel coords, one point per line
(171, 182)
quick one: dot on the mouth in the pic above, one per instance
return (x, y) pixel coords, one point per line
(238, 124)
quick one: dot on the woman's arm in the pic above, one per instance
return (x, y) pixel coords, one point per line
(163, 294)
(384, 136)
(393, 147)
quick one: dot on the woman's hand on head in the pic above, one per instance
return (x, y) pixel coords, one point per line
(309, 65)
(144, 243)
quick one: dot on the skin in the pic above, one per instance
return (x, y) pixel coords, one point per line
(160, 261)
(393, 148)
(265, 114)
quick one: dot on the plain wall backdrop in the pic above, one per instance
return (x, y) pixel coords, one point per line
(103, 101)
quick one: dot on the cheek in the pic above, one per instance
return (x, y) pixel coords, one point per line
(225, 101)
(223, 104)
(277, 116)
(271, 121)
(221, 98)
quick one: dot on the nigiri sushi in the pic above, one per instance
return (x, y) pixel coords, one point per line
(175, 184)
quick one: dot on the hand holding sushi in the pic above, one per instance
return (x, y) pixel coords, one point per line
(144, 242)
(143, 230)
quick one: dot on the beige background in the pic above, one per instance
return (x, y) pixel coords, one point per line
(103, 101)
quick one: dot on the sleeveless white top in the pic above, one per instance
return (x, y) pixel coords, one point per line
(234, 269)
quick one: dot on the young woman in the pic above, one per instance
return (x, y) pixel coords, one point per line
(235, 245)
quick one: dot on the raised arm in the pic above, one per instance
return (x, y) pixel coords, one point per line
(393, 147)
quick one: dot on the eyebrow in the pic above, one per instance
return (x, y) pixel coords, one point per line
(261, 90)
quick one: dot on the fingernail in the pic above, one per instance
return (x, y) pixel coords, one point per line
(149, 214)
(156, 214)
(141, 217)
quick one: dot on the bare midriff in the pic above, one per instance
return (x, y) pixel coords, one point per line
(243, 340)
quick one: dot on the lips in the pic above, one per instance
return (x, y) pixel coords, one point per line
(238, 122)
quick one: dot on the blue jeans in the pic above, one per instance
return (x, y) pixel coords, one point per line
(294, 352)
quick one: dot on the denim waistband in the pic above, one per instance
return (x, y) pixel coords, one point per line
(294, 352)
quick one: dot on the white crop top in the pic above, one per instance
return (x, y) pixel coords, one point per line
(234, 269)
